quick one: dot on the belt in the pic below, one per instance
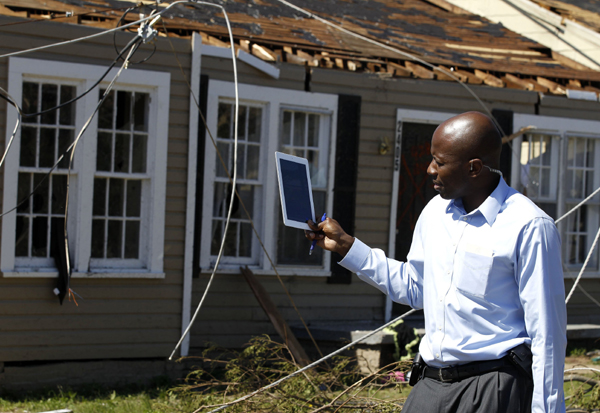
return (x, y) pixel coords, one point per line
(451, 374)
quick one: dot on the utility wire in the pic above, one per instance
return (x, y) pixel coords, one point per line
(69, 148)
(102, 33)
(4, 95)
(587, 259)
(241, 201)
(233, 192)
(310, 366)
(132, 50)
(114, 62)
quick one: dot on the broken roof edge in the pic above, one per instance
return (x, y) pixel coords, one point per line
(265, 56)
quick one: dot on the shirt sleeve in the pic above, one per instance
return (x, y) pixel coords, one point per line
(402, 282)
(542, 295)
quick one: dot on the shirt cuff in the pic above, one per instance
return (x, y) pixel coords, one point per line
(356, 256)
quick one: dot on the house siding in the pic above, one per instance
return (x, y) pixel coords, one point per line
(231, 314)
(116, 318)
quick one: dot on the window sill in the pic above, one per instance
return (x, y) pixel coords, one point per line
(108, 273)
(285, 271)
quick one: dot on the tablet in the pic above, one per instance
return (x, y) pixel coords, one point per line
(295, 190)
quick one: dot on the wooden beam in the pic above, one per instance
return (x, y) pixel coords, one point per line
(397, 70)
(506, 139)
(264, 53)
(552, 87)
(468, 77)
(488, 79)
(419, 71)
(276, 318)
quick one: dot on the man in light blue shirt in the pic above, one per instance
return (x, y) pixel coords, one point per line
(485, 267)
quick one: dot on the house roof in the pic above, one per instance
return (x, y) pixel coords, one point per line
(475, 49)
(585, 12)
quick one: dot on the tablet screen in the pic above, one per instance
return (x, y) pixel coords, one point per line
(295, 188)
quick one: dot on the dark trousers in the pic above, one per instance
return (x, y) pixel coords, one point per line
(505, 391)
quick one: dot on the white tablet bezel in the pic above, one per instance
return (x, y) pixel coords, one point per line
(302, 161)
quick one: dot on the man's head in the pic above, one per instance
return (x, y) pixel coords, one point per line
(463, 149)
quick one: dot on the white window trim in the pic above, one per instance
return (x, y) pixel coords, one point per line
(274, 101)
(563, 127)
(80, 220)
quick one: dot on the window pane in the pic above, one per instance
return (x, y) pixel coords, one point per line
(216, 236)
(22, 237)
(121, 153)
(123, 110)
(590, 153)
(116, 197)
(245, 240)
(132, 239)
(98, 238)
(114, 239)
(589, 182)
(313, 130)
(67, 113)
(224, 123)
(254, 124)
(65, 138)
(286, 129)
(104, 155)
(299, 128)
(534, 182)
(253, 161)
(39, 237)
(546, 150)
(545, 186)
(30, 101)
(59, 193)
(105, 114)
(24, 189)
(28, 146)
(224, 151)
(292, 246)
(242, 123)
(47, 147)
(140, 148)
(99, 207)
(49, 100)
(230, 248)
(40, 198)
(140, 111)
(246, 192)
(134, 198)
(241, 161)
(221, 199)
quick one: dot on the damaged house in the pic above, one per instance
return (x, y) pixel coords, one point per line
(148, 194)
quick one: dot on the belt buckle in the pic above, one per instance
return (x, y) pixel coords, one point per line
(441, 376)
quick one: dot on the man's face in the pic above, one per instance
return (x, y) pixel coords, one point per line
(448, 168)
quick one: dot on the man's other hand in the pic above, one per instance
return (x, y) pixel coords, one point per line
(330, 236)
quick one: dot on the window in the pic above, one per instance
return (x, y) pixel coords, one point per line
(43, 139)
(557, 170)
(117, 186)
(299, 123)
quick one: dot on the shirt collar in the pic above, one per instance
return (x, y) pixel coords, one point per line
(489, 208)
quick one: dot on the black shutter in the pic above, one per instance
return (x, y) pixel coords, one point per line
(346, 170)
(505, 120)
(203, 102)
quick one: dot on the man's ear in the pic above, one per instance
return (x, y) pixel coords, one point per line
(475, 167)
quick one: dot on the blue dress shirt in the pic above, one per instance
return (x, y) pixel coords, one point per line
(488, 281)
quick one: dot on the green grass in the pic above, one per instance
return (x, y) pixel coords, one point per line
(157, 398)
